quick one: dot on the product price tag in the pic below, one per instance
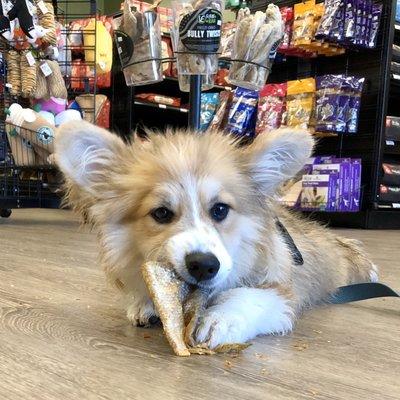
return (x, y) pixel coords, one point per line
(200, 31)
(396, 76)
(42, 6)
(389, 143)
(46, 69)
(30, 59)
(396, 205)
(162, 106)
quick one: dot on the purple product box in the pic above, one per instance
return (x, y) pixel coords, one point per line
(333, 192)
(356, 167)
(317, 192)
(343, 167)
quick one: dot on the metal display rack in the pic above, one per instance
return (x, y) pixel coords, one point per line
(38, 186)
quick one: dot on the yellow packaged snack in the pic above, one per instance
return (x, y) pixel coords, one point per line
(303, 23)
(300, 103)
(96, 34)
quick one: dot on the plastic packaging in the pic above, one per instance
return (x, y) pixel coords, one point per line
(209, 104)
(300, 103)
(256, 40)
(243, 113)
(138, 40)
(271, 107)
(197, 35)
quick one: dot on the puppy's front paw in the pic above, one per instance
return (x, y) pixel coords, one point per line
(216, 328)
(142, 313)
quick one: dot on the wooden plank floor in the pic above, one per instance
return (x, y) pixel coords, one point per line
(63, 337)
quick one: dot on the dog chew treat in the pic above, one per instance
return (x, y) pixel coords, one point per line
(196, 44)
(180, 310)
(256, 39)
(193, 308)
(167, 292)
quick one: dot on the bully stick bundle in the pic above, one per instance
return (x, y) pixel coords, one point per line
(256, 40)
(197, 44)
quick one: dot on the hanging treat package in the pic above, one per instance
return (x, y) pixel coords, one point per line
(300, 103)
(221, 115)
(374, 25)
(271, 107)
(327, 20)
(227, 36)
(188, 61)
(356, 87)
(209, 104)
(332, 104)
(197, 36)
(287, 17)
(138, 40)
(256, 40)
(303, 23)
(336, 30)
(243, 113)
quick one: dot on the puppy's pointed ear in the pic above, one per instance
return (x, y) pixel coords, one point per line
(277, 156)
(88, 155)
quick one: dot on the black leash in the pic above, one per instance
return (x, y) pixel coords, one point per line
(361, 291)
(344, 294)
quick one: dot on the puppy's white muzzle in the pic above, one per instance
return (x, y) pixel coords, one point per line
(202, 242)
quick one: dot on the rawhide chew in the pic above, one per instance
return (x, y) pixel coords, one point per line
(256, 39)
(167, 291)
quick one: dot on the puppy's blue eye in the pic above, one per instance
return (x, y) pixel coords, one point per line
(219, 211)
(162, 215)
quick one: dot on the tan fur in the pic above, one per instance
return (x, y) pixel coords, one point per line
(127, 182)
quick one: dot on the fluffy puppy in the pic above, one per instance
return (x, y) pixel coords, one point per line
(204, 205)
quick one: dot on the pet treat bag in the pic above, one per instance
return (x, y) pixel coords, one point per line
(243, 112)
(287, 17)
(222, 113)
(300, 102)
(271, 106)
(355, 86)
(374, 26)
(197, 36)
(209, 104)
(331, 104)
(355, 190)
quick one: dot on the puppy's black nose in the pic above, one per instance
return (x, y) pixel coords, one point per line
(202, 266)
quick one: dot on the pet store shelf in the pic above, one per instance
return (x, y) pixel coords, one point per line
(215, 87)
(392, 147)
(161, 106)
(390, 206)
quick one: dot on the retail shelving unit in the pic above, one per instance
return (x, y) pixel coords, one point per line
(380, 98)
(369, 143)
(33, 186)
